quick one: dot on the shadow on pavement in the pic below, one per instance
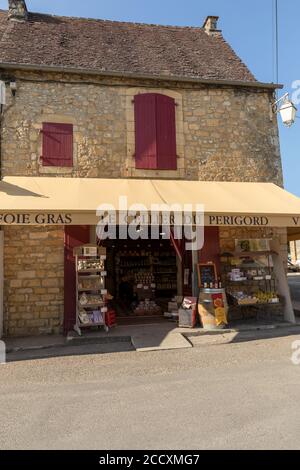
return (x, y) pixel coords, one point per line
(243, 336)
(69, 350)
(233, 337)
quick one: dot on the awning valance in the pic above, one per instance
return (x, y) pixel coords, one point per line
(56, 200)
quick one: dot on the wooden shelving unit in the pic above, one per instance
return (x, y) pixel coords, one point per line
(162, 264)
(90, 284)
(251, 254)
(267, 283)
(165, 276)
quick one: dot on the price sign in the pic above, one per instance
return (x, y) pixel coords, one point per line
(207, 274)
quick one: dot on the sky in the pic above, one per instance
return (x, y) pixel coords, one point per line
(246, 24)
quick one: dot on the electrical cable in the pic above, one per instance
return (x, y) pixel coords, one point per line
(276, 42)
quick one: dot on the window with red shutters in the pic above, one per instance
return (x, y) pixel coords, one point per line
(145, 131)
(57, 144)
(166, 133)
(155, 132)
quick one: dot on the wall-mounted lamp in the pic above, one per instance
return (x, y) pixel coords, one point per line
(287, 110)
(13, 87)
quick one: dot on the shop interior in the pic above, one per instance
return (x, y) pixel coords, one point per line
(142, 277)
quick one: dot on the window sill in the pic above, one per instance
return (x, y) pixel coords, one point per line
(156, 173)
(56, 169)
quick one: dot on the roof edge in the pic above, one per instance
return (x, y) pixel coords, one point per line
(172, 78)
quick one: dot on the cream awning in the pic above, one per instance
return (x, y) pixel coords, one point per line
(225, 203)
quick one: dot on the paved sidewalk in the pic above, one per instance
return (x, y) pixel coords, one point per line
(155, 336)
(34, 342)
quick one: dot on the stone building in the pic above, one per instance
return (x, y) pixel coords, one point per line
(85, 82)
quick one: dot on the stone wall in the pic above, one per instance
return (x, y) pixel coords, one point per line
(223, 133)
(33, 280)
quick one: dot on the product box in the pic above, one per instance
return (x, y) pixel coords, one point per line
(145, 292)
(187, 318)
(172, 306)
(110, 318)
(252, 244)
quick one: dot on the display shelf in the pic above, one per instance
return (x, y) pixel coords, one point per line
(92, 305)
(164, 264)
(260, 304)
(165, 272)
(92, 276)
(89, 325)
(248, 254)
(88, 289)
(85, 257)
(245, 266)
(250, 288)
(166, 288)
(86, 271)
(161, 263)
(135, 265)
(134, 256)
(249, 281)
(149, 263)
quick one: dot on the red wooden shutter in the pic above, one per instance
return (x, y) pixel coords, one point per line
(166, 133)
(57, 144)
(145, 131)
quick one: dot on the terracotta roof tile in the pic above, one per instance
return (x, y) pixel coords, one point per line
(111, 46)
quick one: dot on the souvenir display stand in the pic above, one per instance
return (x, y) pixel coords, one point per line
(91, 295)
(253, 280)
(250, 278)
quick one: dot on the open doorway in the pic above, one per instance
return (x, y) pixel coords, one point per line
(142, 276)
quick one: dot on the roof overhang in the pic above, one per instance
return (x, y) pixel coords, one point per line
(51, 200)
(108, 73)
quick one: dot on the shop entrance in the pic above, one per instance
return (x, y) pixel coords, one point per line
(142, 276)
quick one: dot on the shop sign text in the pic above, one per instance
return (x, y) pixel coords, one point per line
(41, 218)
(238, 220)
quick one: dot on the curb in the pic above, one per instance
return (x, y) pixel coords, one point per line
(73, 342)
(79, 340)
(242, 330)
(34, 348)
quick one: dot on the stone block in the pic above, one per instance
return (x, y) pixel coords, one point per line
(26, 274)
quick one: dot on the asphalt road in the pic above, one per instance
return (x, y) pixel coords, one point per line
(242, 395)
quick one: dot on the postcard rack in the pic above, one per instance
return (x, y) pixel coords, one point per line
(91, 293)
